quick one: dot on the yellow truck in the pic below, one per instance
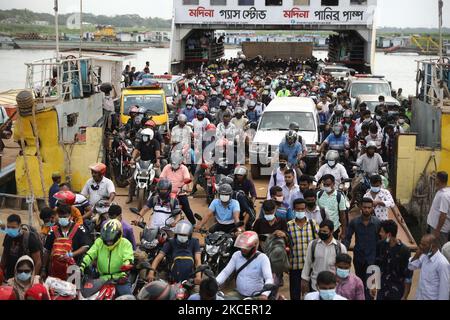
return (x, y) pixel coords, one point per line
(151, 98)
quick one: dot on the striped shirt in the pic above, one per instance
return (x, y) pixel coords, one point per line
(300, 238)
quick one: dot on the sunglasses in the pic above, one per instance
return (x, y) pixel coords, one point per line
(95, 187)
(23, 270)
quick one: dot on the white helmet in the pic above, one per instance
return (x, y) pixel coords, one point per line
(182, 117)
(332, 155)
(183, 227)
(241, 170)
(371, 144)
(148, 132)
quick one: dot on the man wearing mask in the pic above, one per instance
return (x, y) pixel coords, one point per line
(393, 259)
(181, 134)
(349, 285)
(251, 267)
(401, 122)
(382, 198)
(291, 190)
(434, 281)
(371, 161)
(438, 219)
(313, 211)
(270, 224)
(381, 104)
(326, 288)
(214, 101)
(375, 136)
(18, 243)
(56, 256)
(301, 231)
(333, 167)
(277, 176)
(184, 251)
(366, 228)
(338, 114)
(282, 209)
(294, 150)
(226, 129)
(321, 256)
(252, 114)
(223, 107)
(333, 202)
(190, 112)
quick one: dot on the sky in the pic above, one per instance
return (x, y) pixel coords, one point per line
(391, 13)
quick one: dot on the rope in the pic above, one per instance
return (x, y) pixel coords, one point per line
(38, 152)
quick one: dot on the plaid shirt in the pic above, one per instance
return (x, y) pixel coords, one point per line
(300, 239)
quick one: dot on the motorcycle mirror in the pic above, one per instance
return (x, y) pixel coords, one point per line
(198, 217)
(134, 210)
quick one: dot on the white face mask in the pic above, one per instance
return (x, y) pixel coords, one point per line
(269, 217)
(145, 138)
(182, 239)
(225, 198)
(331, 163)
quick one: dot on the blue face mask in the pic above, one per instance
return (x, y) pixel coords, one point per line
(327, 294)
(24, 276)
(375, 189)
(342, 273)
(49, 224)
(63, 222)
(300, 215)
(269, 217)
(13, 233)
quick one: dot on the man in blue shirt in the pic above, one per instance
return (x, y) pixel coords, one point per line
(225, 210)
(56, 177)
(190, 112)
(292, 148)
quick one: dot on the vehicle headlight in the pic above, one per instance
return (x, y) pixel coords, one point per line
(211, 250)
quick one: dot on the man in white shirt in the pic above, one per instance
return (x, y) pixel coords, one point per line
(326, 284)
(313, 211)
(335, 169)
(370, 162)
(382, 198)
(291, 189)
(438, 219)
(434, 282)
(255, 274)
(99, 187)
(108, 108)
(321, 255)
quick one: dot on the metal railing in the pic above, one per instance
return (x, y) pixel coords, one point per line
(429, 73)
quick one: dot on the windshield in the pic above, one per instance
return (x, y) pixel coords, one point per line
(152, 103)
(168, 89)
(282, 120)
(379, 89)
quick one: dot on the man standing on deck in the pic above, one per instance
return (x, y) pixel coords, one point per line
(56, 178)
(439, 215)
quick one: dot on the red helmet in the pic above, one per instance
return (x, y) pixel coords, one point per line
(205, 108)
(65, 197)
(210, 127)
(150, 123)
(201, 97)
(98, 167)
(248, 240)
(7, 293)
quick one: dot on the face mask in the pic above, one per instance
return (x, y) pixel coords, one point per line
(283, 165)
(323, 236)
(269, 217)
(310, 205)
(182, 239)
(63, 222)
(375, 189)
(366, 120)
(331, 163)
(378, 117)
(337, 132)
(327, 294)
(145, 138)
(225, 198)
(49, 224)
(24, 276)
(279, 199)
(13, 233)
(342, 273)
(327, 189)
(401, 121)
(239, 116)
(189, 106)
(300, 215)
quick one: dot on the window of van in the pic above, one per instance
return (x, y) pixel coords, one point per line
(364, 88)
(281, 120)
(152, 103)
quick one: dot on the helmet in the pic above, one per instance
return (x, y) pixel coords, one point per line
(223, 104)
(134, 109)
(164, 184)
(251, 104)
(247, 240)
(189, 102)
(241, 171)
(291, 136)
(348, 114)
(201, 112)
(7, 293)
(183, 227)
(210, 126)
(98, 167)
(148, 132)
(371, 144)
(332, 155)
(65, 197)
(111, 233)
(225, 189)
(176, 160)
(227, 113)
(294, 126)
(182, 118)
(239, 111)
(157, 290)
(150, 123)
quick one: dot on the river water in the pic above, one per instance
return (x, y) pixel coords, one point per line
(399, 69)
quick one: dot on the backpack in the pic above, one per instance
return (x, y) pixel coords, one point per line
(337, 247)
(61, 246)
(275, 249)
(154, 202)
(26, 239)
(181, 267)
(338, 198)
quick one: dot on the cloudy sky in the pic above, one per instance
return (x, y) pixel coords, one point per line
(398, 13)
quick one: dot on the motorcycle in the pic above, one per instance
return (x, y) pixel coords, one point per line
(121, 152)
(361, 182)
(60, 289)
(273, 288)
(144, 176)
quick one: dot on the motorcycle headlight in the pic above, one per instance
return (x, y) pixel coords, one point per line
(211, 250)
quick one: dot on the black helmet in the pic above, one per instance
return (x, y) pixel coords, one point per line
(111, 233)
(225, 189)
(251, 104)
(157, 290)
(164, 184)
(291, 137)
(294, 126)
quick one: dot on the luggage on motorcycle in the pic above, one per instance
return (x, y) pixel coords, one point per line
(91, 287)
(61, 246)
(275, 248)
(58, 287)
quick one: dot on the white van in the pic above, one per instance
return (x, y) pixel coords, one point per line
(273, 126)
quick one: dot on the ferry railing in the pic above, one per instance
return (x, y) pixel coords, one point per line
(429, 73)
